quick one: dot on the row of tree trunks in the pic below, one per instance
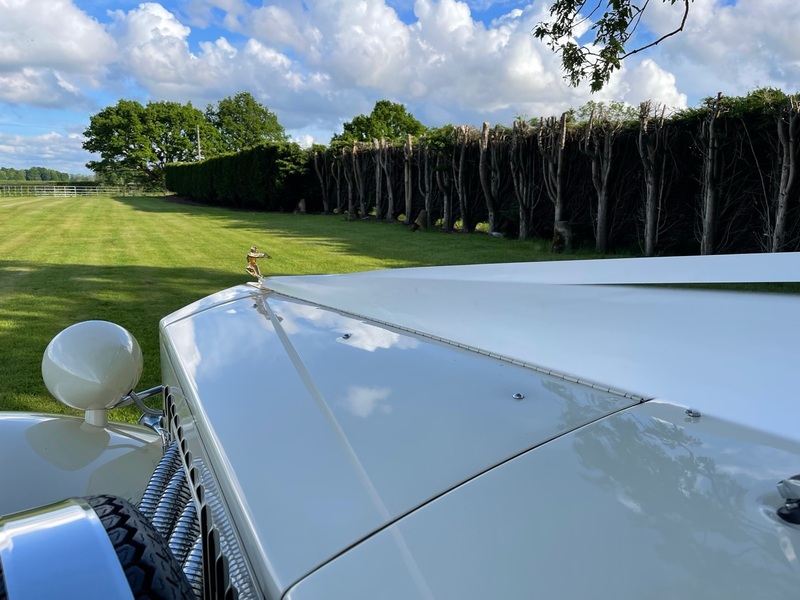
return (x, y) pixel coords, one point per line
(522, 164)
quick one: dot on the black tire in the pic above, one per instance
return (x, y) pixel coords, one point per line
(152, 571)
(3, 592)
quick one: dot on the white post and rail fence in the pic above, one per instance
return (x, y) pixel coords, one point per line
(68, 191)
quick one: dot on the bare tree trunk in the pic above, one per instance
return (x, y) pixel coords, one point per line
(711, 166)
(489, 171)
(651, 153)
(460, 175)
(408, 153)
(552, 141)
(336, 171)
(379, 208)
(523, 174)
(443, 181)
(349, 176)
(324, 176)
(598, 144)
(387, 164)
(425, 180)
(358, 179)
(788, 121)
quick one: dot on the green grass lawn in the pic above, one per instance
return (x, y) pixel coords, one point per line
(134, 260)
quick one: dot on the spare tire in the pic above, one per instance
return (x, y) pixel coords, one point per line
(152, 572)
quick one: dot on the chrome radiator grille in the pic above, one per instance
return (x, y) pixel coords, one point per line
(189, 513)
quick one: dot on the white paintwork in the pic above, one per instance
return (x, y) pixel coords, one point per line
(723, 268)
(334, 406)
(642, 504)
(46, 458)
(714, 351)
(91, 366)
(301, 423)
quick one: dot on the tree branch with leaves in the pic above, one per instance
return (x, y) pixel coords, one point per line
(616, 23)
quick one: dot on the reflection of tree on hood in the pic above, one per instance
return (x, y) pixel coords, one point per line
(649, 464)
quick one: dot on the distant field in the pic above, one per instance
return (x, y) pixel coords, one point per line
(134, 260)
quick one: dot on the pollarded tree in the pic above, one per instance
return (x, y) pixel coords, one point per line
(438, 143)
(243, 122)
(524, 158)
(712, 170)
(321, 160)
(600, 132)
(652, 145)
(552, 138)
(787, 119)
(493, 145)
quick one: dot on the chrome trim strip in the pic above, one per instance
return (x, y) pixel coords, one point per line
(60, 551)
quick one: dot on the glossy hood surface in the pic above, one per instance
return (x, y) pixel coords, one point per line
(643, 504)
(328, 427)
(338, 411)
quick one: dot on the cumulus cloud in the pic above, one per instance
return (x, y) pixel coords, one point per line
(732, 48)
(320, 63)
(50, 61)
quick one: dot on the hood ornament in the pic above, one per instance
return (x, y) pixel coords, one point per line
(252, 266)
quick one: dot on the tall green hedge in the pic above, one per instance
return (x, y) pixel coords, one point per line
(258, 178)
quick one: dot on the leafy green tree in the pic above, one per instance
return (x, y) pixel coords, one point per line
(388, 120)
(242, 122)
(136, 142)
(612, 32)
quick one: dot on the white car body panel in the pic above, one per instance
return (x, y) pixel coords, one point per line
(46, 458)
(642, 504)
(366, 428)
(710, 350)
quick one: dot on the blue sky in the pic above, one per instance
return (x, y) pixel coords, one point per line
(316, 64)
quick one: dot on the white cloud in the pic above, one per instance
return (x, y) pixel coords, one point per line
(50, 62)
(63, 151)
(732, 48)
(318, 63)
(646, 81)
(155, 49)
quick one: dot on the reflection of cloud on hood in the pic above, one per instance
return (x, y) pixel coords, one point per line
(363, 401)
(361, 335)
(370, 338)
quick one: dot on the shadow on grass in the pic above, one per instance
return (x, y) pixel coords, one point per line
(39, 300)
(379, 240)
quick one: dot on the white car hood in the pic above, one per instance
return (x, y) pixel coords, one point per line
(327, 428)
(334, 406)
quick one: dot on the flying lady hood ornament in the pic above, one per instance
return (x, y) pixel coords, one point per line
(252, 266)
